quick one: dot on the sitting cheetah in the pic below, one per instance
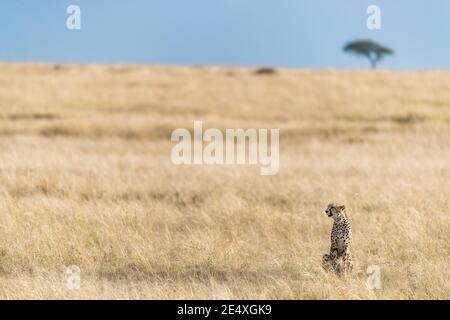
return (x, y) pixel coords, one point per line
(339, 260)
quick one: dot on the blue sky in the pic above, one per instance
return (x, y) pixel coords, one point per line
(291, 33)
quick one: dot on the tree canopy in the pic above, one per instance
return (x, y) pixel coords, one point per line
(369, 49)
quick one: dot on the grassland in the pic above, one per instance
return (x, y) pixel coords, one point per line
(86, 180)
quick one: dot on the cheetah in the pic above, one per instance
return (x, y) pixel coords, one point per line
(339, 259)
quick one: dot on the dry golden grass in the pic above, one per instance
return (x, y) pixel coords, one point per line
(87, 180)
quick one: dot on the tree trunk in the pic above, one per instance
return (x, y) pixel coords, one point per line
(373, 63)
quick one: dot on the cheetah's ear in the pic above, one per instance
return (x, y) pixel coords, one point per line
(342, 207)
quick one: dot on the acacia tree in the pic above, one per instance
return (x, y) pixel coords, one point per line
(369, 49)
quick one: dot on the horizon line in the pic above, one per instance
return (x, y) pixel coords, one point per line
(205, 65)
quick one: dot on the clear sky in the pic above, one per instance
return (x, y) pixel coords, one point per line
(293, 33)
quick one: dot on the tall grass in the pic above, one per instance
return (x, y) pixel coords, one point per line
(87, 180)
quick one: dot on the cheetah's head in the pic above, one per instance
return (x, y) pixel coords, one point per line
(335, 211)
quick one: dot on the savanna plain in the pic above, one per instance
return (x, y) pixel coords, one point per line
(87, 180)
